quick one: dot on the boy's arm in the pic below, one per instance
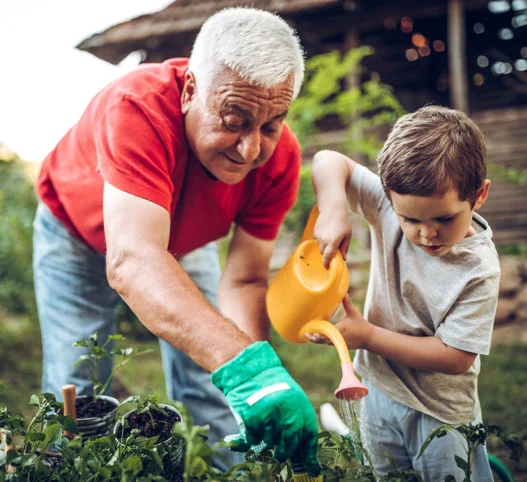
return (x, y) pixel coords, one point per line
(331, 172)
(422, 352)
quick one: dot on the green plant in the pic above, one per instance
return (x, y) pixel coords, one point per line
(45, 429)
(471, 436)
(17, 209)
(97, 352)
(142, 458)
(361, 109)
(512, 175)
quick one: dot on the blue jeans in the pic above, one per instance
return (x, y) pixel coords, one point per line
(74, 300)
(388, 426)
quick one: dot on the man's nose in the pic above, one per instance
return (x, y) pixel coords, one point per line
(249, 145)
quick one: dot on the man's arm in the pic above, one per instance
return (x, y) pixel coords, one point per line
(156, 288)
(244, 282)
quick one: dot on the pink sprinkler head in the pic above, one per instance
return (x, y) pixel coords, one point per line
(350, 387)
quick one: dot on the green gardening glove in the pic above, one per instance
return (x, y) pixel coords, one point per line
(269, 406)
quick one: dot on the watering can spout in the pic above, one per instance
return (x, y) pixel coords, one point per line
(304, 295)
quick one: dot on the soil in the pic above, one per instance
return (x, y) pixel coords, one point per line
(162, 425)
(87, 408)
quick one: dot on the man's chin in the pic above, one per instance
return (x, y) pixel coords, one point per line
(229, 177)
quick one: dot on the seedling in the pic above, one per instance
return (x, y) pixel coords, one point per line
(96, 353)
(471, 436)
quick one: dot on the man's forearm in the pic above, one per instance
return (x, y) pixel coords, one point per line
(244, 303)
(421, 352)
(168, 303)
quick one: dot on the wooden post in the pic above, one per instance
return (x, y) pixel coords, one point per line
(69, 394)
(457, 53)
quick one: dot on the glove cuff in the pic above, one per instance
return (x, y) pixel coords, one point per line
(253, 360)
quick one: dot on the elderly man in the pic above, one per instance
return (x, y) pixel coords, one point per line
(163, 162)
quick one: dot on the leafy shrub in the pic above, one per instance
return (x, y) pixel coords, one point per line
(363, 110)
(17, 210)
(140, 458)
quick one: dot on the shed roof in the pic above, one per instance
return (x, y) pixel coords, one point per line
(177, 19)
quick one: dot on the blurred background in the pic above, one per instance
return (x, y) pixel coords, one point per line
(368, 62)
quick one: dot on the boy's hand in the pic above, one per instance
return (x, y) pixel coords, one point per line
(333, 232)
(355, 330)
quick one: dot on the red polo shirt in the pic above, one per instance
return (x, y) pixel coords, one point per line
(132, 135)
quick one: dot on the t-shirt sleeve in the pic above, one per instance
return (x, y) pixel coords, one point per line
(264, 218)
(468, 325)
(365, 193)
(131, 155)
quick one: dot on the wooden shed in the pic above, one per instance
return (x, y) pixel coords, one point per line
(470, 55)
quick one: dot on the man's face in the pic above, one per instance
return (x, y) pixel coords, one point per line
(235, 126)
(436, 223)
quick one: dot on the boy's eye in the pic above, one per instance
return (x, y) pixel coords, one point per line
(410, 220)
(445, 220)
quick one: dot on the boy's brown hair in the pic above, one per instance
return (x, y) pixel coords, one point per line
(431, 150)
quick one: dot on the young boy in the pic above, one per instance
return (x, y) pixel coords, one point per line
(433, 285)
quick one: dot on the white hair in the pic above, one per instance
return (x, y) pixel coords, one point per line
(258, 45)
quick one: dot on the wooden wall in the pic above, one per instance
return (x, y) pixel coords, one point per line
(505, 132)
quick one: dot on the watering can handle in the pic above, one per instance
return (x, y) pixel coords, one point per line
(310, 225)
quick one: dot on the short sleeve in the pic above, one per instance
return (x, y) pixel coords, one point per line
(131, 154)
(469, 323)
(265, 216)
(365, 193)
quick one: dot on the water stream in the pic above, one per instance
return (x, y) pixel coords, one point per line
(351, 411)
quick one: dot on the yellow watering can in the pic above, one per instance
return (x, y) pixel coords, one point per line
(304, 295)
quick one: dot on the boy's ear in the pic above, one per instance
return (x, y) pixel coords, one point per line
(482, 194)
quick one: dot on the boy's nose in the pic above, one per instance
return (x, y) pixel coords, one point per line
(428, 232)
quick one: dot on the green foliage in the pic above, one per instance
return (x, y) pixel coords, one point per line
(361, 109)
(296, 219)
(471, 436)
(506, 368)
(186, 455)
(17, 210)
(97, 352)
(512, 175)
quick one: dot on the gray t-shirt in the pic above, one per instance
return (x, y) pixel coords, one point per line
(453, 297)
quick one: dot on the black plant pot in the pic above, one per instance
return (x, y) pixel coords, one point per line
(172, 449)
(96, 418)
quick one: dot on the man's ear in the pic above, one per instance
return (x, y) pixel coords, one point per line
(188, 92)
(482, 194)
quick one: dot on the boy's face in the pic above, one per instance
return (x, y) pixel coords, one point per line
(436, 223)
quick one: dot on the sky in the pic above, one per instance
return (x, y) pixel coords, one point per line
(45, 83)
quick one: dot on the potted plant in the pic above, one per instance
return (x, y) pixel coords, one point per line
(96, 413)
(151, 425)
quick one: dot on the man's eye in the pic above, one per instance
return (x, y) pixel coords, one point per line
(232, 123)
(270, 128)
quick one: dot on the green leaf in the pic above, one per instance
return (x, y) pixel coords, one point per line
(53, 434)
(461, 463)
(70, 425)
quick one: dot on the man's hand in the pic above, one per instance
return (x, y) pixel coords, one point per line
(269, 405)
(333, 233)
